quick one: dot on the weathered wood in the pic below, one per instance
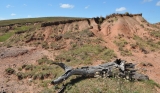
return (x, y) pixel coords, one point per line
(111, 69)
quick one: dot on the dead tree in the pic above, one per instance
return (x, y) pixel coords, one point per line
(117, 68)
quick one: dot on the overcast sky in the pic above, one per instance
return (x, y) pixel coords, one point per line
(13, 9)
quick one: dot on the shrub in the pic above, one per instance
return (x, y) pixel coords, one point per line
(101, 19)
(20, 75)
(142, 25)
(19, 69)
(44, 60)
(45, 45)
(55, 46)
(23, 66)
(67, 35)
(9, 71)
(40, 76)
(29, 67)
(127, 13)
(86, 33)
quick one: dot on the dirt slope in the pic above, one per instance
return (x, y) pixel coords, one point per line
(131, 38)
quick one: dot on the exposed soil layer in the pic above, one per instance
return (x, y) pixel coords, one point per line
(130, 36)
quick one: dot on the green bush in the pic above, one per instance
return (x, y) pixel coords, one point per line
(20, 75)
(127, 13)
(10, 71)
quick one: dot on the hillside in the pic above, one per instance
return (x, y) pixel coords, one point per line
(29, 45)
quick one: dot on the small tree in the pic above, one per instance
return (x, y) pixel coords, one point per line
(101, 19)
(126, 13)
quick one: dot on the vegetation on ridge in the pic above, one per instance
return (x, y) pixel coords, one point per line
(34, 20)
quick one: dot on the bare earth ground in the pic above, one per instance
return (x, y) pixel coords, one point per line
(12, 84)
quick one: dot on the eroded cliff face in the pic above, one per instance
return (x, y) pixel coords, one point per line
(110, 27)
(82, 41)
(127, 25)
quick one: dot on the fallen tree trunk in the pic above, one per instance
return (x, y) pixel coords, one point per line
(117, 68)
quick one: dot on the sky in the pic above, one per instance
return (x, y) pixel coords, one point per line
(14, 9)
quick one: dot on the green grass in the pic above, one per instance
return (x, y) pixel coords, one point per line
(126, 52)
(33, 20)
(6, 36)
(43, 73)
(152, 83)
(106, 85)
(17, 30)
(44, 60)
(22, 29)
(86, 54)
(146, 45)
(121, 43)
(155, 33)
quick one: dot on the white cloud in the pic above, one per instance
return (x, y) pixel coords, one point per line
(29, 16)
(24, 5)
(87, 7)
(8, 6)
(120, 9)
(147, 0)
(158, 3)
(66, 6)
(13, 14)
